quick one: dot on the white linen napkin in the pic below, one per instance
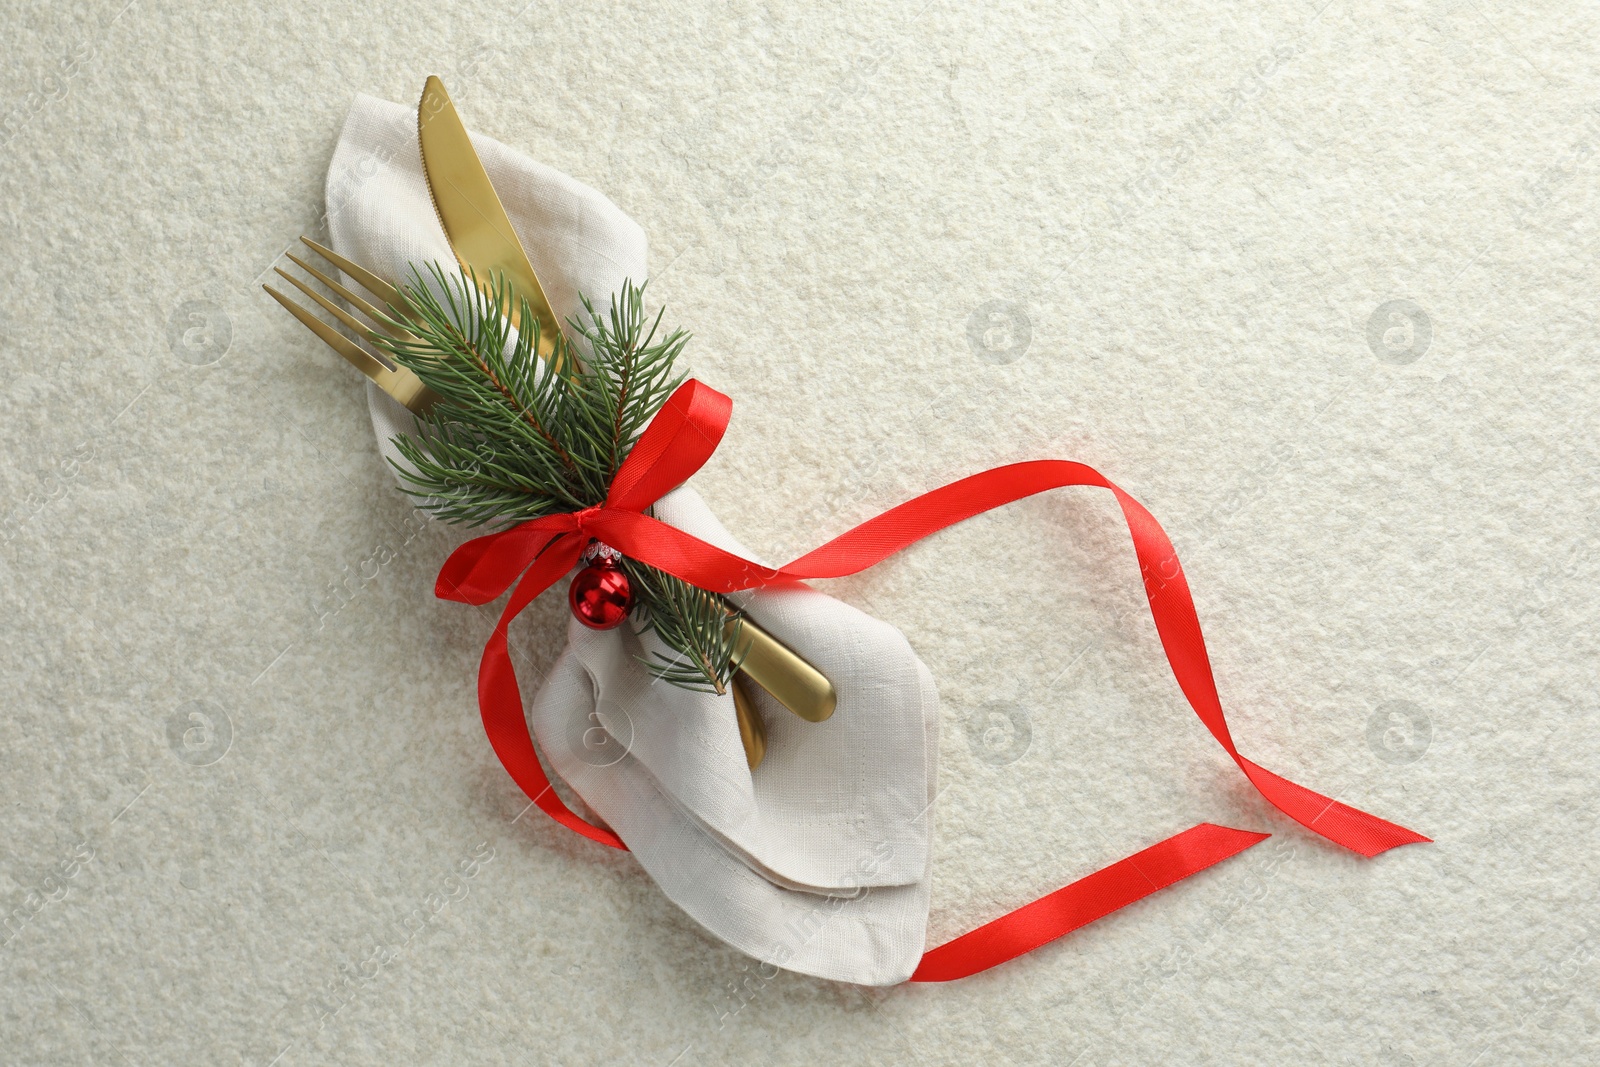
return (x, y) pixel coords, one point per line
(818, 861)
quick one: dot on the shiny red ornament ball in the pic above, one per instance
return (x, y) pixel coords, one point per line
(600, 596)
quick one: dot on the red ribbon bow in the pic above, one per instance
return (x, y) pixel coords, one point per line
(678, 441)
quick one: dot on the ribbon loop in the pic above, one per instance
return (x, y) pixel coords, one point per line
(678, 441)
(485, 567)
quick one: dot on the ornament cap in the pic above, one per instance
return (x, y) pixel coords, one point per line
(600, 552)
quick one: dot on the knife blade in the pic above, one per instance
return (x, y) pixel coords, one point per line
(474, 220)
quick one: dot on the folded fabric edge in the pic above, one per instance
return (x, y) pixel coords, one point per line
(873, 937)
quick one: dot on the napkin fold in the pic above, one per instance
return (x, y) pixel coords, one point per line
(817, 861)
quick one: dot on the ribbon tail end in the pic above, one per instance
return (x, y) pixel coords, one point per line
(1406, 837)
(1084, 901)
(1360, 831)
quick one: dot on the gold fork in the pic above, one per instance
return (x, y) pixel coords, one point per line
(398, 382)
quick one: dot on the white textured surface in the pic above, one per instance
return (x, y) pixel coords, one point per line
(830, 195)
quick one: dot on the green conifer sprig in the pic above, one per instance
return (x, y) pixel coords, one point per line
(514, 437)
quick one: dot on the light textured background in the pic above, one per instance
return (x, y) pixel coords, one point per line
(913, 239)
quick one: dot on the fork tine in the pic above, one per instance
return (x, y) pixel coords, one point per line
(336, 311)
(403, 385)
(364, 277)
(399, 382)
(359, 357)
(359, 304)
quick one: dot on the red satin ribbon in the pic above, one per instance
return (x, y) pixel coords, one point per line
(678, 441)
(1084, 901)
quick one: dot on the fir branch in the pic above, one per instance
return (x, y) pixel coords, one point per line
(512, 439)
(692, 622)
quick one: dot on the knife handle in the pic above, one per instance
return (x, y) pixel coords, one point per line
(772, 665)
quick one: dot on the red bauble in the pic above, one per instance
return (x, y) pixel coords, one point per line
(600, 596)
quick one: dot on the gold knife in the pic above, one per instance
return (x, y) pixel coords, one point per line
(474, 220)
(480, 233)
